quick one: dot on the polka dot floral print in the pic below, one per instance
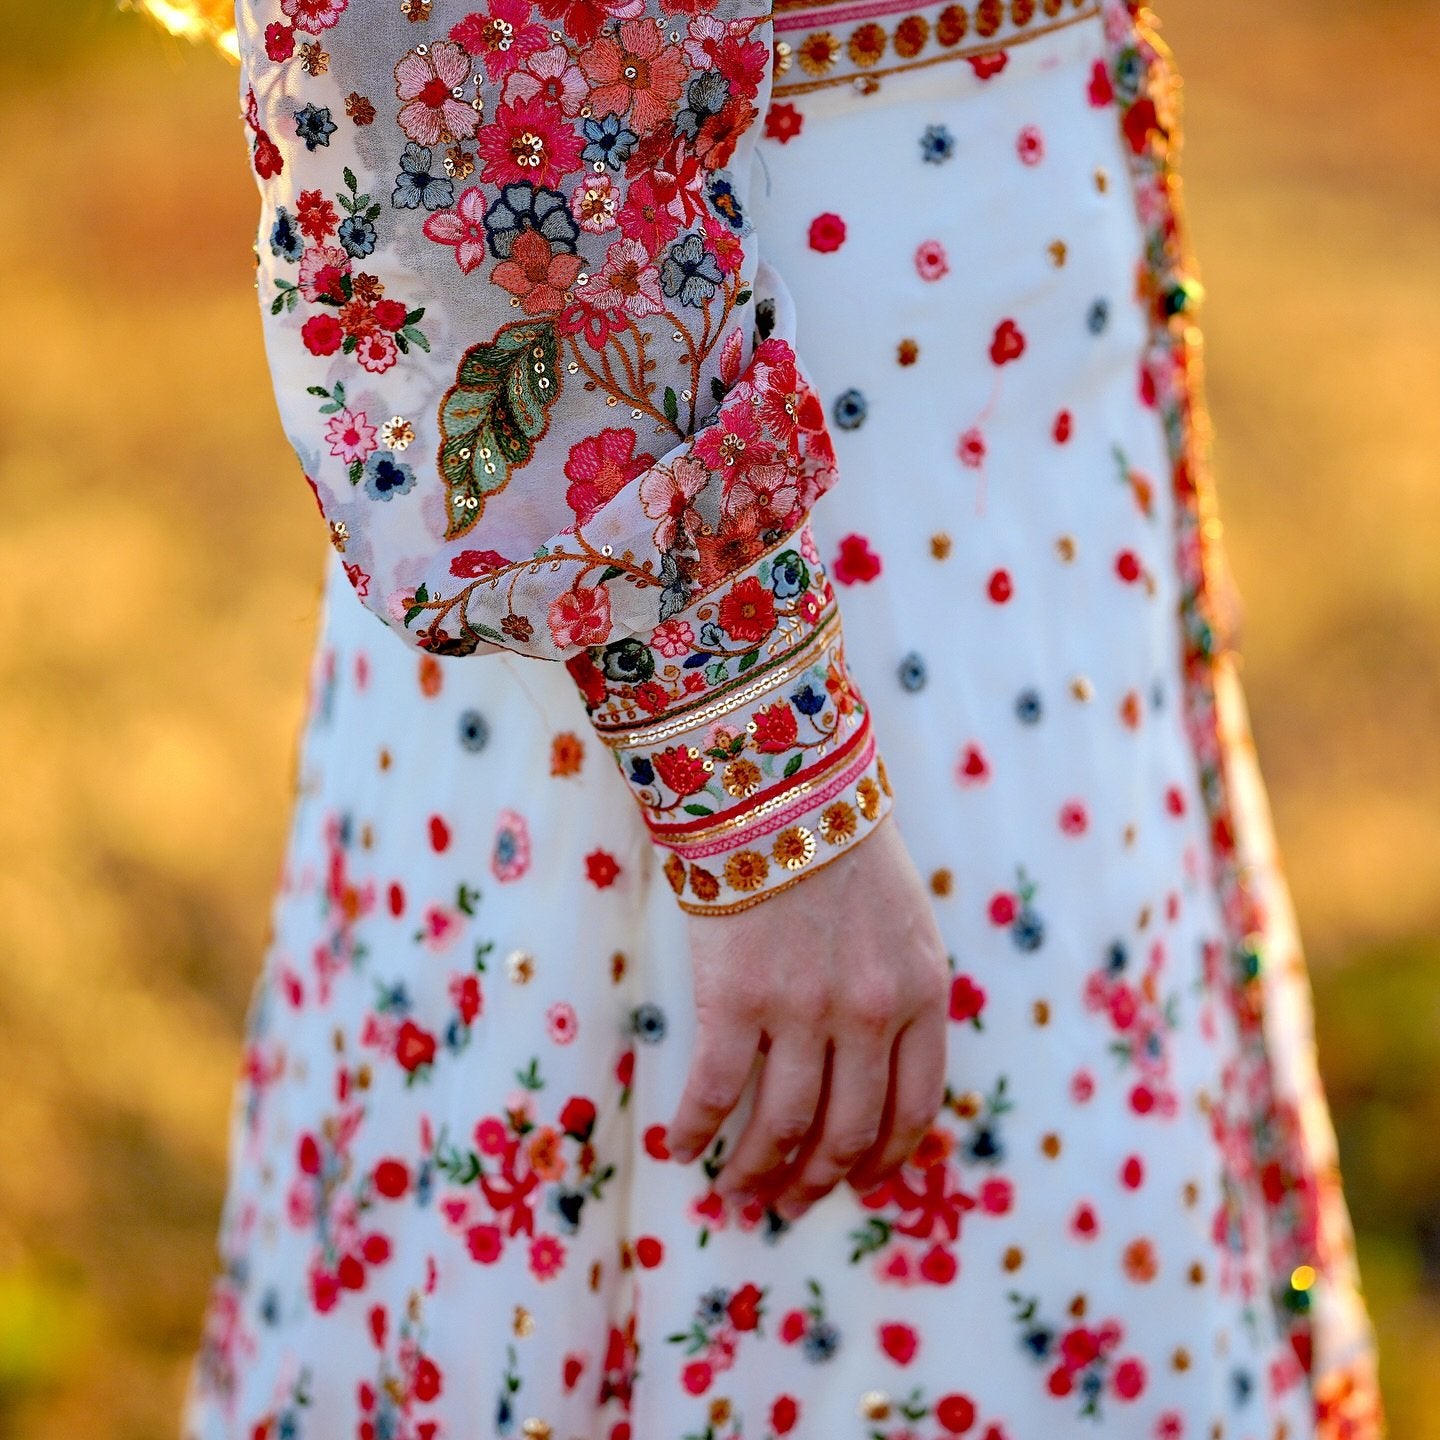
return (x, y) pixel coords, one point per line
(820, 386)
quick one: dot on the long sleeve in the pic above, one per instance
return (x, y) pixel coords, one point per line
(542, 383)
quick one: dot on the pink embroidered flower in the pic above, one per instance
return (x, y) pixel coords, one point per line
(594, 203)
(321, 267)
(599, 467)
(279, 41)
(782, 122)
(855, 562)
(1030, 146)
(580, 616)
(463, 227)
(931, 262)
(440, 926)
(503, 38)
(351, 436)
(667, 493)
(322, 334)
(538, 275)
(639, 75)
(432, 114)
(552, 76)
(313, 16)
(510, 857)
(648, 215)
(629, 281)
(528, 142)
(827, 233)
(470, 564)
(561, 1021)
(673, 639)
(972, 449)
(377, 352)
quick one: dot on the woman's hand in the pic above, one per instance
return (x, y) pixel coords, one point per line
(842, 982)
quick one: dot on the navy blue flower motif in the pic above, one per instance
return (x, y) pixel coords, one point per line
(1027, 707)
(821, 1342)
(705, 96)
(725, 202)
(416, 186)
(609, 141)
(629, 660)
(850, 410)
(648, 1023)
(285, 239)
(1099, 316)
(937, 145)
(1117, 957)
(689, 272)
(314, 126)
(642, 772)
(1027, 930)
(521, 206)
(912, 673)
(984, 1144)
(789, 574)
(385, 477)
(474, 730)
(711, 1305)
(807, 700)
(357, 235)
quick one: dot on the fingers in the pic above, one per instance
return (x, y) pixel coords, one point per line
(724, 1053)
(859, 1084)
(917, 1092)
(789, 1095)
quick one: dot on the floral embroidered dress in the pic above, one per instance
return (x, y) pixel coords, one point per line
(655, 339)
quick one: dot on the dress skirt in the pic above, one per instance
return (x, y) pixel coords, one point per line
(451, 1214)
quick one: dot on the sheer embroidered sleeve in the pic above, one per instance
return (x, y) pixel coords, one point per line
(541, 381)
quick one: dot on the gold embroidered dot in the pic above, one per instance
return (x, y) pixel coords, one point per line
(1077, 1308)
(874, 1405)
(867, 797)
(1081, 688)
(1143, 918)
(1102, 180)
(1040, 1012)
(363, 1076)
(597, 1270)
(520, 967)
(746, 870)
(618, 962)
(1129, 834)
(794, 847)
(907, 352)
(1190, 1194)
(367, 836)
(719, 1411)
(535, 1428)
(1180, 1360)
(524, 1322)
(1065, 547)
(942, 883)
(1196, 1274)
(385, 760)
(940, 546)
(1058, 251)
(741, 779)
(1050, 1145)
(838, 823)
(967, 1105)
(1012, 1259)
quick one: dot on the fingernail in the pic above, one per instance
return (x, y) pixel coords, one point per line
(682, 1153)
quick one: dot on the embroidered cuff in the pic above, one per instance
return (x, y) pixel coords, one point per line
(740, 731)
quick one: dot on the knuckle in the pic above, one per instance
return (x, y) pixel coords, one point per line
(786, 1131)
(874, 1001)
(846, 1148)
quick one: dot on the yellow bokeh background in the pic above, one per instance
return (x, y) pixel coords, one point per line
(161, 558)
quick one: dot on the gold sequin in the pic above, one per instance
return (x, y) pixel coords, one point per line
(397, 432)
(1040, 1012)
(907, 352)
(838, 823)
(1180, 1360)
(1081, 688)
(967, 1106)
(1013, 1258)
(520, 967)
(874, 1405)
(1102, 181)
(1196, 1274)
(867, 797)
(1065, 547)
(719, 1411)
(942, 882)
(794, 847)
(535, 1428)
(1190, 1194)
(524, 1322)
(746, 870)
(741, 778)
(1050, 1145)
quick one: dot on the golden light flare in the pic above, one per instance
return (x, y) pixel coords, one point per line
(208, 21)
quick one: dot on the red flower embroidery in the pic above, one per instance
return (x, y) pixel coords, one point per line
(747, 613)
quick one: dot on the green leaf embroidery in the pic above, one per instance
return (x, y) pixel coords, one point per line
(492, 416)
(747, 661)
(672, 405)
(698, 810)
(792, 765)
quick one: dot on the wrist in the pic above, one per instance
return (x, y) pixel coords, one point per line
(741, 733)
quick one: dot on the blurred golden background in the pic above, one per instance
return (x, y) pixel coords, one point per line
(162, 559)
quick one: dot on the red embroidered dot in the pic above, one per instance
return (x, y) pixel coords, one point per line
(1132, 1173)
(649, 1251)
(1000, 586)
(397, 900)
(827, 232)
(1127, 566)
(1064, 427)
(439, 835)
